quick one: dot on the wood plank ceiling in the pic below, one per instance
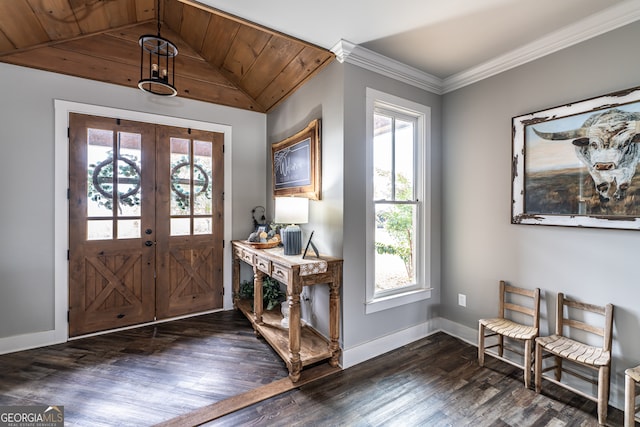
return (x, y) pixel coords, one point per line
(221, 59)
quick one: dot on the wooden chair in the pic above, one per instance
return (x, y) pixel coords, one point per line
(563, 348)
(631, 379)
(503, 326)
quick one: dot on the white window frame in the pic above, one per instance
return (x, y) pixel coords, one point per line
(422, 290)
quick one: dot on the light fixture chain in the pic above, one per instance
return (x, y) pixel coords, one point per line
(159, 17)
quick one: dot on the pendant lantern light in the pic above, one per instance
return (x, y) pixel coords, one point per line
(157, 63)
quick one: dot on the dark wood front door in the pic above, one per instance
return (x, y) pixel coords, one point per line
(145, 222)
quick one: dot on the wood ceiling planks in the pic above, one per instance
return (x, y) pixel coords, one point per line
(220, 34)
(20, 25)
(244, 51)
(222, 58)
(145, 9)
(56, 17)
(5, 43)
(277, 54)
(193, 26)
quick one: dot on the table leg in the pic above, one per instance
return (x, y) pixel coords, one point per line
(334, 323)
(295, 364)
(257, 295)
(236, 280)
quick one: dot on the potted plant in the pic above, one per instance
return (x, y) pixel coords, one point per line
(272, 295)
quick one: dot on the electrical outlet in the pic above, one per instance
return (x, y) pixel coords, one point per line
(462, 300)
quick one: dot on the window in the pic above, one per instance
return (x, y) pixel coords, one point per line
(398, 214)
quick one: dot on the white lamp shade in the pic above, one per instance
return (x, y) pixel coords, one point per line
(292, 210)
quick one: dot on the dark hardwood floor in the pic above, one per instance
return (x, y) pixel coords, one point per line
(151, 375)
(433, 382)
(142, 376)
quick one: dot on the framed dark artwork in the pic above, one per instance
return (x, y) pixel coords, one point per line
(296, 164)
(313, 248)
(576, 165)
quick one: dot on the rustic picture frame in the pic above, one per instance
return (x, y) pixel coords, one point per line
(576, 165)
(296, 164)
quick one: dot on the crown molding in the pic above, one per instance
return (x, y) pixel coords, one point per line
(585, 29)
(610, 19)
(351, 53)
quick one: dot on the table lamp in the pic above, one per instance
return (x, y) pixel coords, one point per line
(292, 211)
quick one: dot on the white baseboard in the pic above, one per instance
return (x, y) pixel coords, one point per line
(371, 349)
(465, 333)
(28, 341)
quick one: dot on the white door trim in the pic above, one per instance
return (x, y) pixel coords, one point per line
(61, 209)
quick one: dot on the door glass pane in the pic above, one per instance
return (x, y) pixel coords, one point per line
(129, 163)
(129, 229)
(180, 226)
(202, 225)
(99, 229)
(404, 160)
(180, 178)
(202, 184)
(395, 245)
(99, 172)
(382, 157)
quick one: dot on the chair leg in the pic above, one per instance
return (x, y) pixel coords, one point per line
(537, 361)
(603, 393)
(481, 345)
(629, 401)
(527, 362)
(558, 370)
(500, 345)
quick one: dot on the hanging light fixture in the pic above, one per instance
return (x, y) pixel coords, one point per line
(157, 63)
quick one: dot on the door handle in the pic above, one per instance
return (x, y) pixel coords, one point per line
(148, 243)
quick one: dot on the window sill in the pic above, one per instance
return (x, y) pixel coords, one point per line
(391, 301)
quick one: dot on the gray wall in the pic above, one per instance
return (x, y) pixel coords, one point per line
(474, 244)
(337, 95)
(27, 176)
(320, 98)
(480, 246)
(360, 327)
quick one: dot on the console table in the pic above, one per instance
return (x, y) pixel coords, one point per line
(298, 345)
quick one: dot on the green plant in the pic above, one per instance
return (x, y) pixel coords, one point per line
(246, 290)
(181, 181)
(398, 222)
(272, 295)
(101, 180)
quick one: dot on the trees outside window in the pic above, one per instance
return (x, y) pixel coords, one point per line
(398, 233)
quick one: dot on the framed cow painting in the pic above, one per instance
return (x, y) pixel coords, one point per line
(577, 164)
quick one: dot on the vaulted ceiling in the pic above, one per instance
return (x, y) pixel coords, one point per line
(221, 58)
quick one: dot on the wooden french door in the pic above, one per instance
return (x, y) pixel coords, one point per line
(145, 222)
(190, 223)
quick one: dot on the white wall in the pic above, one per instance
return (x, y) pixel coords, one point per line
(27, 174)
(480, 246)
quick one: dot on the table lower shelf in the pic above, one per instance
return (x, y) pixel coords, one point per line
(313, 346)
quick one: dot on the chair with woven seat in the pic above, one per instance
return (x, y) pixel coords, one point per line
(631, 380)
(512, 299)
(571, 322)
